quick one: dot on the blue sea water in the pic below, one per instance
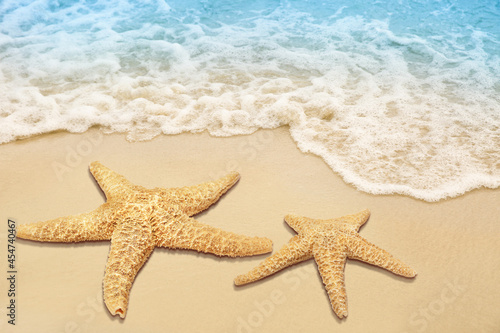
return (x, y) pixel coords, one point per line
(396, 96)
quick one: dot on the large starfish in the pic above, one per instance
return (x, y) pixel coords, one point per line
(330, 243)
(137, 220)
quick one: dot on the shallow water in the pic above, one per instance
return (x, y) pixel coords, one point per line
(397, 96)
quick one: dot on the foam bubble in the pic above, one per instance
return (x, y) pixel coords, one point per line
(393, 102)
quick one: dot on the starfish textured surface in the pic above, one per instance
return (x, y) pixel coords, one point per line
(329, 242)
(137, 220)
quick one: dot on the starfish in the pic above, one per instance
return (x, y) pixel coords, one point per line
(330, 243)
(137, 220)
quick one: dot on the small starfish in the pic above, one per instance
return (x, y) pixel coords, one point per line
(329, 242)
(137, 220)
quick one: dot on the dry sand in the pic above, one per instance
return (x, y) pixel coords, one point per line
(454, 245)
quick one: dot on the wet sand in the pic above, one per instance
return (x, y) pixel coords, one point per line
(454, 244)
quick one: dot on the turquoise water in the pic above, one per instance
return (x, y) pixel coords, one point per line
(396, 96)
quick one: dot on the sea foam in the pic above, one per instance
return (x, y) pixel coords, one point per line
(397, 97)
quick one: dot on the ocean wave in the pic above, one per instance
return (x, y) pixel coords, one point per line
(393, 102)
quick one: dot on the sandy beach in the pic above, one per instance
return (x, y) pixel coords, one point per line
(452, 244)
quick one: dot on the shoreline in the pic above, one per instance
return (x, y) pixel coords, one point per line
(94, 135)
(452, 243)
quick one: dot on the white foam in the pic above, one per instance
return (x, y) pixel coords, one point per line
(391, 112)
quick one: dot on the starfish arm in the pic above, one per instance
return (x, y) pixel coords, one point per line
(75, 228)
(195, 199)
(298, 223)
(131, 245)
(360, 249)
(295, 251)
(356, 220)
(331, 264)
(183, 232)
(112, 184)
